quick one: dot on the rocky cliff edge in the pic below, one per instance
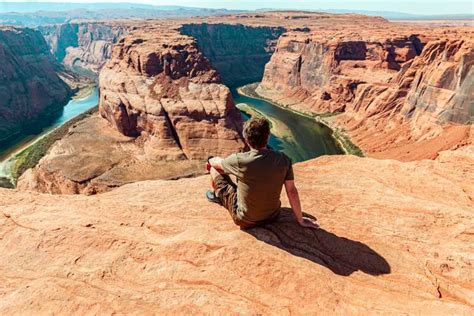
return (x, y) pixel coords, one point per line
(395, 238)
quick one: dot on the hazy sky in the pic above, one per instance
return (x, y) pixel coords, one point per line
(409, 6)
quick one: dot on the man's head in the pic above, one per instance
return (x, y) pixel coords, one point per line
(257, 132)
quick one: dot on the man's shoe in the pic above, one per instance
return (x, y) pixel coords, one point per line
(211, 197)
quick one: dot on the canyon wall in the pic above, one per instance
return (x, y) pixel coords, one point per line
(405, 89)
(442, 86)
(163, 112)
(323, 73)
(83, 47)
(239, 52)
(401, 92)
(159, 86)
(31, 92)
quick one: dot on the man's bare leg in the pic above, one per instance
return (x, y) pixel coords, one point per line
(214, 174)
(212, 194)
(215, 169)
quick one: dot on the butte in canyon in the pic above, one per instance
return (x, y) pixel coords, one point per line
(107, 118)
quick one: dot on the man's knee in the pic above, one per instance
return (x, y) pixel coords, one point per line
(214, 173)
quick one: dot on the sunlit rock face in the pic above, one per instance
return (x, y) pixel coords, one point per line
(442, 88)
(83, 47)
(160, 87)
(395, 237)
(413, 90)
(162, 112)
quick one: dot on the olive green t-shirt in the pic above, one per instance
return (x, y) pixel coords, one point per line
(260, 178)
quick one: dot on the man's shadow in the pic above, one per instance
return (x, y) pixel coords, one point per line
(341, 255)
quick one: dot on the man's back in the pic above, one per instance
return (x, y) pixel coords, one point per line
(260, 175)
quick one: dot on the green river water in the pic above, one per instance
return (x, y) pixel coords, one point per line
(75, 107)
(299, 137)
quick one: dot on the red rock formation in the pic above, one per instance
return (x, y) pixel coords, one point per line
(83, 47)
(31, 92)
(390, 87)
(166, 108)
(395, 238)
(239, 52)
(324, 72)
(442, 83)
(428, 107)
(160, 87)
(93, 157)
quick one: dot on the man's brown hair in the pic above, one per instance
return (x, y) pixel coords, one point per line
(256, 132)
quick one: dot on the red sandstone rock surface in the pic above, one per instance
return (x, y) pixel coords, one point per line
(93, 157)
(31, 91)
(83, 47)
(395, 238)
(167, 111)
(160, 87)
(407, 89)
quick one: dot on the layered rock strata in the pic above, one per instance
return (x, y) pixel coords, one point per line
(163, 111)
(239, 52)
(413, 92)
(94, 158)
(83, 47)
(160, 87)
(323, 73)
(32, 94)
(387, 245)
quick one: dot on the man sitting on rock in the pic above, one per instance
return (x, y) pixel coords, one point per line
(261, 174)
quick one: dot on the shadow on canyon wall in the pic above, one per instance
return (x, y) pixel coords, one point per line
(341, 255)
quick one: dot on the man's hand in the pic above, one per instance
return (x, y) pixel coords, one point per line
(295, 203)
(215, 162)
(308, 222)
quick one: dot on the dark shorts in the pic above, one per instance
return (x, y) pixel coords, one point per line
(226, 191)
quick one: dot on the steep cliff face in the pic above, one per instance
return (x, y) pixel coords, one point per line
(160, 86)
(239, 52)
(411, 91)
(324, 72)
(31, 92)
(165, 112)
(428, 107)
(83, 47)
(442, 83)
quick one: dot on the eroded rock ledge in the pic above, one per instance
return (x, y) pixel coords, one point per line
(405, 93)
(83, 47)
(164, 89)
(164, 110)
(386, 245)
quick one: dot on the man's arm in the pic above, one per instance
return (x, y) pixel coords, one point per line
(228, 165)
(216, 163)
(294, 198)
